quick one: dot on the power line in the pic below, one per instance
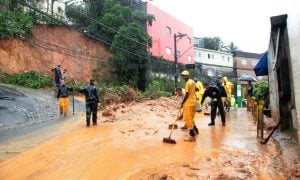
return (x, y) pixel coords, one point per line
(112, 29)
(92, 37)
(68, 50)
(70, 55)
(87, 34)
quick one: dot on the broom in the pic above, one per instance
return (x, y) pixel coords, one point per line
(174, 125)
(169, 139)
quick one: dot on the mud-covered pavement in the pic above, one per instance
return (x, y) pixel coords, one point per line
(128, 145)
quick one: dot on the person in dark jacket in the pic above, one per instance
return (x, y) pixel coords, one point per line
(91, 99)
(215, 95)
(63, 96)
(57, 76)
(249, 96)
(223, 94)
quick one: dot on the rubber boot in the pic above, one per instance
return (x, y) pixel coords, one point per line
(196, 130)
(191, 137)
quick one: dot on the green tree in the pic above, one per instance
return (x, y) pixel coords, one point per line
(261, 90)
(214, 43)
(12, 4)
(114, 16)
(77, 19)
(116, 23)
(94, 8)
(132, 67)
(231, 47)
(15, 24)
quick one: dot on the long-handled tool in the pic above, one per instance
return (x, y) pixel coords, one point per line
(73, 100)
(169, 139)
(264, 141)
(174, 125)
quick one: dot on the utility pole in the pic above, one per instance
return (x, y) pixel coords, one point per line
(176, 63)
(176, 56)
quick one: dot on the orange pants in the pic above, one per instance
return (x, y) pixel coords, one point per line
(188, 116)
(64, 105)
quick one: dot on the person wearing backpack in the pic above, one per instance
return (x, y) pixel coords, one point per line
(63, 96)
(91, 99)
(223, 93)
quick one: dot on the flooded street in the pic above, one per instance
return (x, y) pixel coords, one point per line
(128, 145)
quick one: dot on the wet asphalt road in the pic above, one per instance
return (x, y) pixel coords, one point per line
(23, 111)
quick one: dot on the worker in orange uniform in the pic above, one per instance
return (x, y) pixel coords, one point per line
(63, 95)
(199, 92)
(228, 86)
(189, 106)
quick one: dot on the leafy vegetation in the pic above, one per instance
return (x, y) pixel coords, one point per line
(30, 79)
(118, 24)
(15, 24)
(216, 43)
(166, 84)
(113, 18)
(158, 89)
(131, 67)
(261, 90)
(231, 47)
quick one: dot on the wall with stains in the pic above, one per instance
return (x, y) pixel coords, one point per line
(48, 46)
(293, 27)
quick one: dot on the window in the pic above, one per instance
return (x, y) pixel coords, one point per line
(199, 54)
(211, 73)
(168, 51)
(208, 55)
(223, 58)
(244, 62)
(169, 30)
(220, 74)
(213, 56)
(189, 58)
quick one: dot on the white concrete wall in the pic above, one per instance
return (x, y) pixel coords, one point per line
(216, 57)
(57, 4)
(293, 27)
(273, 85)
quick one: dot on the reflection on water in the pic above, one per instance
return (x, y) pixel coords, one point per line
(134, 149)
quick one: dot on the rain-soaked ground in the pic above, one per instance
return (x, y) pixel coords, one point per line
(128, 145)
(23, 111)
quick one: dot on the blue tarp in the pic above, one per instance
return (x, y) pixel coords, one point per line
(261, 68)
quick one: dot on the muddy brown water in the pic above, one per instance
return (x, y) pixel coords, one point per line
(129, 146)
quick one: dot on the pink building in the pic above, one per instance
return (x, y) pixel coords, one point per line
(162, 32)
